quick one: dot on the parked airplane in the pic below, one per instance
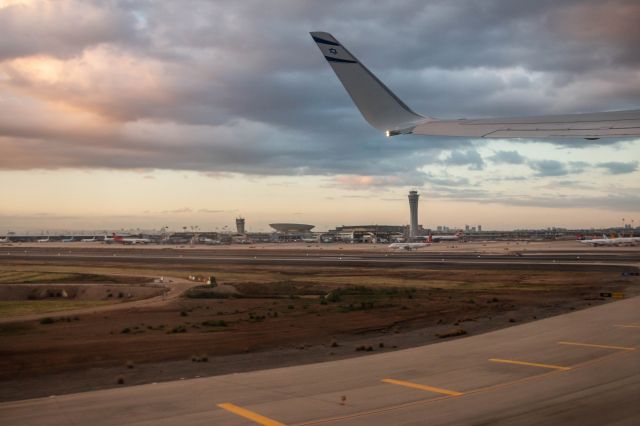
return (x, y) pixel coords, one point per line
(44, 240)
(386, 112)
(243, 241)
(88, 240)
(629, 240)
(68, 240)
(606, 241)
(126, 240)
(5, 240)
(410, 246)
(210, 241)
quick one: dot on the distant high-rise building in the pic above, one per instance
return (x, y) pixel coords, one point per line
(439, 228)
(240, 225)
(413, 208)
(466, 228)
(479, 228)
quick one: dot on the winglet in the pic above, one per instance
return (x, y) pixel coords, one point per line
(378, 105)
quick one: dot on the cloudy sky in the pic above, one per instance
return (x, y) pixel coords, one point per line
(143, 113)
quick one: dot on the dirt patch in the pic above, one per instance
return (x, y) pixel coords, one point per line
(105, 292)
(16, 309)
(53, 277)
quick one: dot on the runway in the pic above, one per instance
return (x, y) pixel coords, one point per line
(551, 260)
(580, 368)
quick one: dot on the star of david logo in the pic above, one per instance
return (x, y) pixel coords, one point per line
(333, 50)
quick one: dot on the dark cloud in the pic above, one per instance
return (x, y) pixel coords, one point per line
(578, 166)
(618, 168)
(613, 201)
(507, 157)
(605, 202)
(237, 87)
(557, 168)
(64, 29)
(549, 167)
(469, 157)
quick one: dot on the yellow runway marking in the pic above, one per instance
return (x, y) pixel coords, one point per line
(422, 387)
(531, 364)
(436, 400)
(591, 345)
(628, 325)
(243, 412)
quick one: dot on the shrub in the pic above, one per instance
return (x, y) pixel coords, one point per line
(210, 323)
(199, 358)
(120, 380)
(126, 330)
(204, 292)
(47, 320)
(256, 318)
(334, 296)
(129, 364)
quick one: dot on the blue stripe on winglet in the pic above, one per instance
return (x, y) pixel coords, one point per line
(346, 61)
(323, 41)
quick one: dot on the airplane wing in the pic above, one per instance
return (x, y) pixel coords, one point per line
(386, 112)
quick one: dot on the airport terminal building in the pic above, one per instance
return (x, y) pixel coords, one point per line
(369, 233)
(286, 232)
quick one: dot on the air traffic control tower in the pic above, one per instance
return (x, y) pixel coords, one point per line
(413, 207)
(240, 225)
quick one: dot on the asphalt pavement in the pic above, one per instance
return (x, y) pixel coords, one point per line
(556, 260)
(581, 368)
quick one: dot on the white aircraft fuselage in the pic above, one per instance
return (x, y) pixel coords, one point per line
(408, 246)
